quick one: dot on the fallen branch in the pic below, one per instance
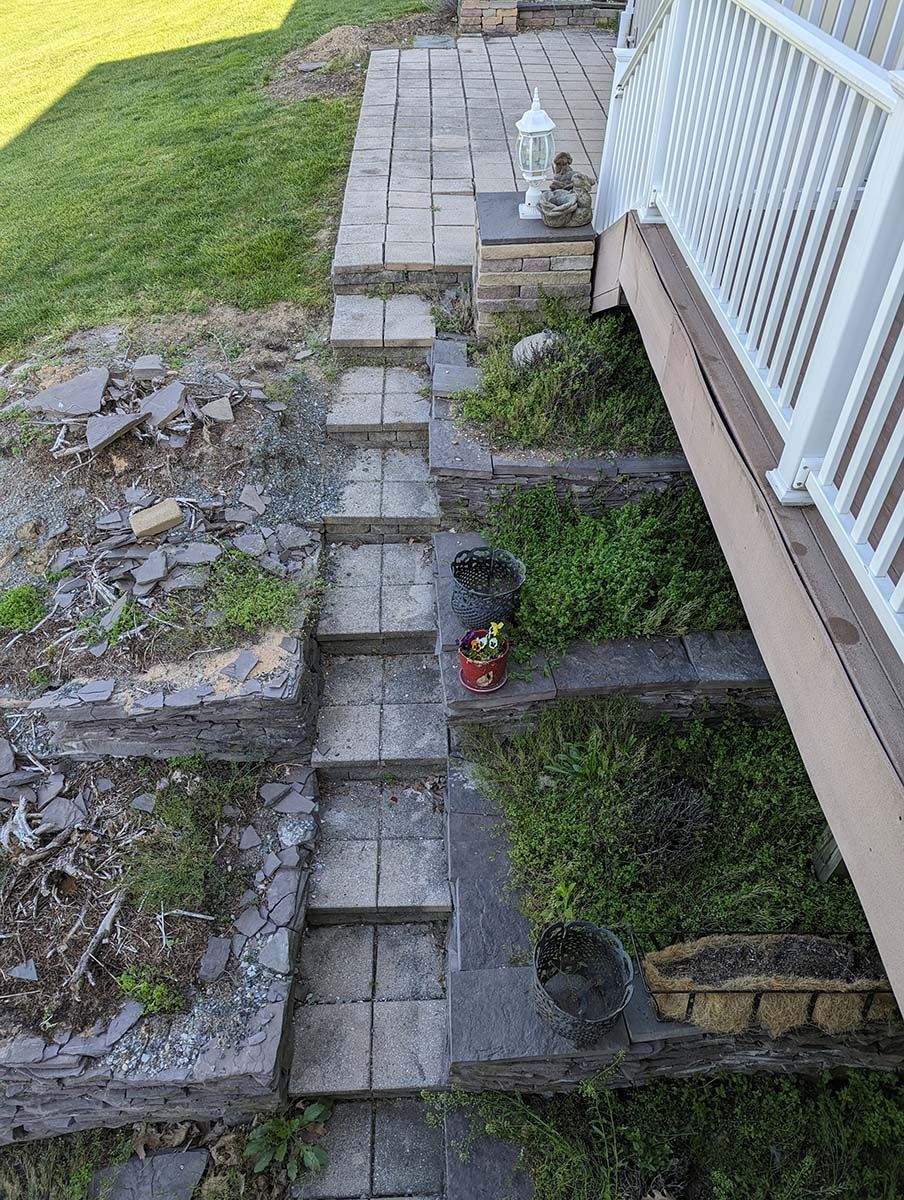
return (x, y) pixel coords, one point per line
(102, 931)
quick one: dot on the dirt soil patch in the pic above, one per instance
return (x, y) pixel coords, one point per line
(70, 841)
(335, 64)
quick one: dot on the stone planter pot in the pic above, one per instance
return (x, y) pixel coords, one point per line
(583, 980)
(488, 676)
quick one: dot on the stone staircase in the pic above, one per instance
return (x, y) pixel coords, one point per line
(370, 1021)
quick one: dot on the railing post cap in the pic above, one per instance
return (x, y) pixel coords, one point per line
(623, 53)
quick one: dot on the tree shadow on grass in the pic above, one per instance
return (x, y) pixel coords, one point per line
(171, 180)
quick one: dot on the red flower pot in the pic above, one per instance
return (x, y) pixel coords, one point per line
(482, 676)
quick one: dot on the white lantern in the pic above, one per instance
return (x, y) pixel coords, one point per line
(536, 148)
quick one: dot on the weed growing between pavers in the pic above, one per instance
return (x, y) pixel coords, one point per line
(593, 391)
(652, 567)
(625, 819)
(725, 1137)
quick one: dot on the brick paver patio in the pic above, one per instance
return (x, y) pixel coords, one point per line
(438, 125)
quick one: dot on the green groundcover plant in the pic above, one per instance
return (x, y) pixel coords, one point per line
(650, 567)
(726, 1137)
(594, 390)
(631, 820)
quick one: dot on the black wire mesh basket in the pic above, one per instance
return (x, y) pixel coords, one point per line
(487, 586)
(583, 980)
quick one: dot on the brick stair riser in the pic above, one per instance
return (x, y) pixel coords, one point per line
(374, 529)
(399, 282)
(392, 356)
(375, 916)
(412, 770)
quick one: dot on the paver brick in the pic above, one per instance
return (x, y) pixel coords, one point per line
(408, 321)
(409, 1045)
(413, 875)
(348, 735)
(357, 321)
(344, 877)
(331, 1049)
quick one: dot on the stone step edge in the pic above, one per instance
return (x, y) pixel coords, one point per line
(394, 915)
(421, 642)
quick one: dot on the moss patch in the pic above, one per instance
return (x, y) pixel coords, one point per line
(20, 608)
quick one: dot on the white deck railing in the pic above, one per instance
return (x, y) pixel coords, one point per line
(874, 28)
(775, 156)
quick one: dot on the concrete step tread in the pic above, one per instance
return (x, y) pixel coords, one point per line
(377, 399)
(385, 490)
(380, 595)
(373, 736)
(369, 322)
(379, 1148)
(369, 1048)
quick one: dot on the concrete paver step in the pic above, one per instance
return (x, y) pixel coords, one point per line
(381, 600)
(388, 495)
(380, 406)
(365, 1048)
(368, 323)
(379, 1148)
(382, 857)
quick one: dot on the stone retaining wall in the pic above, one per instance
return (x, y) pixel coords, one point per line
(224, 1059)
(519, 262)
(550, 15)
(497, 1041)
(268, 713)
(670, 675)
(474, 478)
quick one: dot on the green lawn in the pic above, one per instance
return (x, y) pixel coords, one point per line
(143, 170)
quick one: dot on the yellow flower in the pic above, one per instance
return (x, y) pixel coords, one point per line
(496, 628)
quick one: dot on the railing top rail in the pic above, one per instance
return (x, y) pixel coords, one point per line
(847, 65)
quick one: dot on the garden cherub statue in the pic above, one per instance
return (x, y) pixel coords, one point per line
(566, 202)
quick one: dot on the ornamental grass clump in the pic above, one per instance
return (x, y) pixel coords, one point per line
(594, 390)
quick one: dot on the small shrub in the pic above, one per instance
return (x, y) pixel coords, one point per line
(20, 608)
(290, 1142)
(155, 992)
(650, 567)
(595, 390)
